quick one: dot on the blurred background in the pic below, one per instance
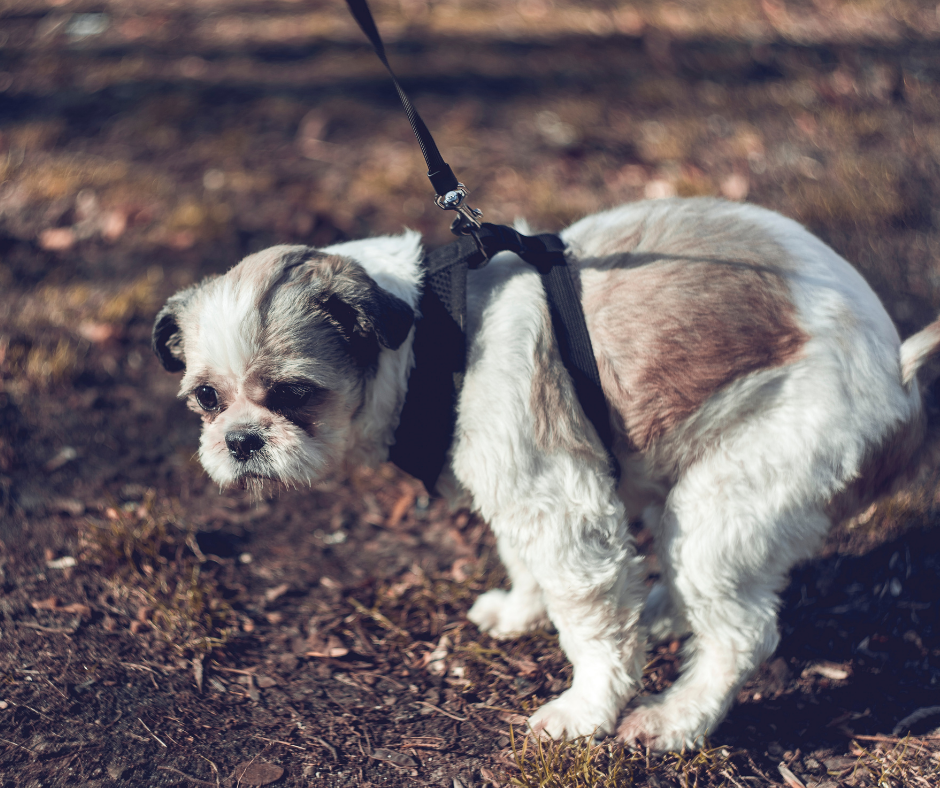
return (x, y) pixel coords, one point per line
(146, 144)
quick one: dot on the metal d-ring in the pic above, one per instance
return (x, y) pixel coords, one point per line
(455, 200)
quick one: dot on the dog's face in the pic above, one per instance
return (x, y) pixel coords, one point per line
(276, 355)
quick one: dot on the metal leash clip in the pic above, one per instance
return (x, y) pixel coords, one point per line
(455, 200)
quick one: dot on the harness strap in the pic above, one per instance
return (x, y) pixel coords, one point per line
(426, 426)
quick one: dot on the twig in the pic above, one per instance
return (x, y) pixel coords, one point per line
(50, 630)
(49, 681)
(895, 739)
(917, 716)
(380, 619)
(145, 668)
(497, 708)
(151, 733)
(238, 777)
(441, 711)
(329, 747)
(214, 769)
(7, 741)
(278, 741)
(34, 711)
(187, 776)
(250, 672)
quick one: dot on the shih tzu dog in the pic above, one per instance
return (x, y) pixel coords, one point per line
(758, 390)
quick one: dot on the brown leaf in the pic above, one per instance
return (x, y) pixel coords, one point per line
(278, 591)
(333, 647)
(258, 773)
(400, 509)
(79, 609)
(198, 671)
(52, 603)
(789, 777)
(57, 239)
(525, 665)
(513, 719)
(398, 758)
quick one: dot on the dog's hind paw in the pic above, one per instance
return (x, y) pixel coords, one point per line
(569, 717)
(505, 614)
(653, 726)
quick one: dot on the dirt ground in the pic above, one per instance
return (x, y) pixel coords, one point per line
(157, 631)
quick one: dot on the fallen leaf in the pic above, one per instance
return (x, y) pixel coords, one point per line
(278, 591)
(70, 506)
(98, 333)
(57, 239)
(46, 604)
(436, 659)
(789, 777)
(827, 670)
(400, 509)
(258, 773)
(79, 609)
(398, 758)
(66, 562)
(198, 671)
(512, 718)
(524, 665)
(333, 648)
(66, 454)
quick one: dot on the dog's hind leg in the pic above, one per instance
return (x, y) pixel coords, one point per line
(726, 544)
(661, 619)
(504, 614)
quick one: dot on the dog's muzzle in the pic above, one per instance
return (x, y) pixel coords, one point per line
(242, 444)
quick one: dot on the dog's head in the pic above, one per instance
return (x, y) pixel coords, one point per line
(276, 356)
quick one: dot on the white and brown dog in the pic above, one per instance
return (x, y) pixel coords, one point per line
(758, 388)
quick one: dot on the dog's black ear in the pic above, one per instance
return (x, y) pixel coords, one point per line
(379, 313)
(166, 340)
(366, 314)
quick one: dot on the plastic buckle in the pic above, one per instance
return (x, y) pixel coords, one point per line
(468, 218)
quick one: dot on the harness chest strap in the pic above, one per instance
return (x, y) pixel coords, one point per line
(426, 427)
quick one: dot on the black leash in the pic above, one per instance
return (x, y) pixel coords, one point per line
(451, 194)
(426, 427)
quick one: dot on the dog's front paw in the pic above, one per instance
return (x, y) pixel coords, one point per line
(657, 726)
(571, 716)
(504, 614)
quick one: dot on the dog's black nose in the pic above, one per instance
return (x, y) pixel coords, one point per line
(242, 443)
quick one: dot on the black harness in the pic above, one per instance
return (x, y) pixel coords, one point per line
(426, 426)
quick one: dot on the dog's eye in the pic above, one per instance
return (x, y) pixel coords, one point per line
(207, 397)
(289, 396)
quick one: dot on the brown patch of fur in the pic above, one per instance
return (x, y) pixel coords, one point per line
(560, 424)
(674, 325)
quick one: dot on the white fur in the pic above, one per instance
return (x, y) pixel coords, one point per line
(736, 501)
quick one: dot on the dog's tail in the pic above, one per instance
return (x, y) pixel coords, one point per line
(917, 350)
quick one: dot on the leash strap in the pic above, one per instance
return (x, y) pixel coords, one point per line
(442, 177)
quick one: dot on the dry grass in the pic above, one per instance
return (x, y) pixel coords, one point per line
(583, 764)
(158, 576)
